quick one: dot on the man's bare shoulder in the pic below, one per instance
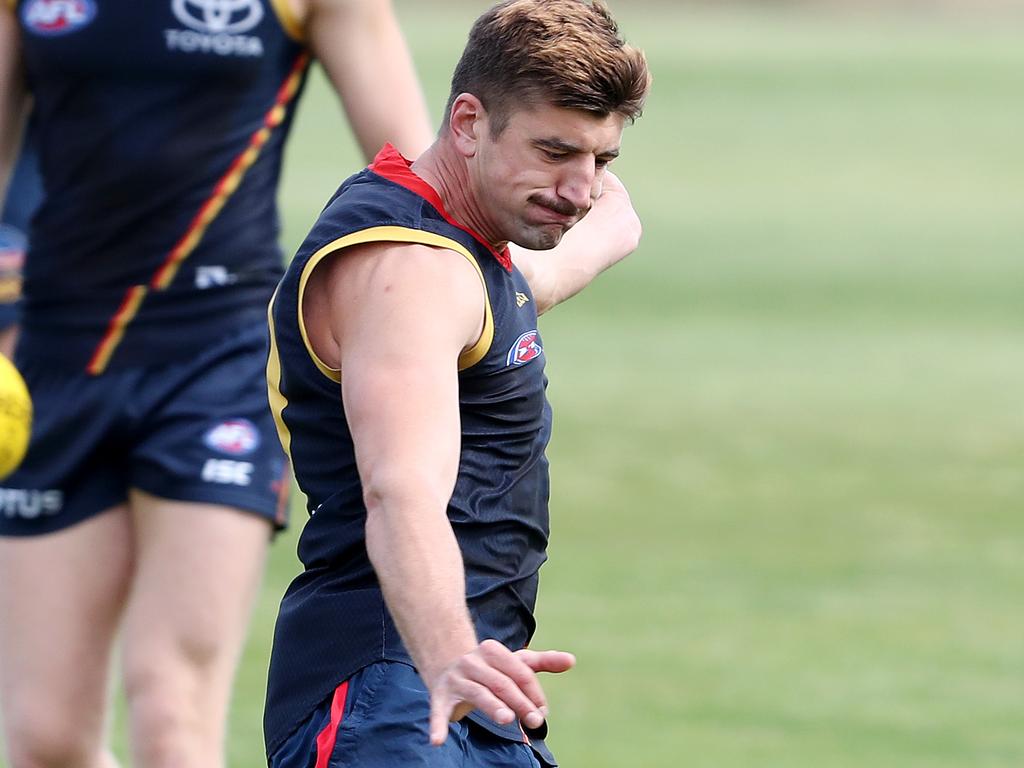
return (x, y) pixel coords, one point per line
(406, 288)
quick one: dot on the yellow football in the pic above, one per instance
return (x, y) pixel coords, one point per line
(15, 417)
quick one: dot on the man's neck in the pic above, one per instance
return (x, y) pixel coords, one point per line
(447, 172)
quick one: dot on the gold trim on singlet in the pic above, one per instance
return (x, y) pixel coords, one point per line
(290, 23)
(393, 234)
(277, 400)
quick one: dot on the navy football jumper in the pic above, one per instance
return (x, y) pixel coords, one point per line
(333, 619)
(162, 126)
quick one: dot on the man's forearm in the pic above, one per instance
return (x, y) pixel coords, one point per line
(419, 566)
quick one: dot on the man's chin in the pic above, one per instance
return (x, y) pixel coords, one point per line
(541, 238)
(544, 241)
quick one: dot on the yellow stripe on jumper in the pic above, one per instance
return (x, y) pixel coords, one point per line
(232, 178)
(115, 331)
(223, 190)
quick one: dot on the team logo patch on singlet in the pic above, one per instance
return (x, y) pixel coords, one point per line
(526, 348)
(57, 17)
(235, 437)
(216, 26)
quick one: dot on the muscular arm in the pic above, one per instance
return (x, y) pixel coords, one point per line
(605, 236)
(398, 354)
(362, 49)
(398, 358)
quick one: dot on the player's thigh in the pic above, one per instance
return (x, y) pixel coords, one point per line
(198, 570)
(61, 597)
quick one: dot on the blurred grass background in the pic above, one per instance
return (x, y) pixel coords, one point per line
(789, 440)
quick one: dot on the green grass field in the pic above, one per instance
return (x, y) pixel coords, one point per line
(787, 463)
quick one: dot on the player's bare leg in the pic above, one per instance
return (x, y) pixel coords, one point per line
(61, 597)
(197, 574)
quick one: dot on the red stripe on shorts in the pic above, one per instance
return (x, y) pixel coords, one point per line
(326, 738)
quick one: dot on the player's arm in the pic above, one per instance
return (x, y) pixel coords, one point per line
(400, 316)
(8, 340)
(606, 235)
(14, 100)
(14, 104)
(362, 49)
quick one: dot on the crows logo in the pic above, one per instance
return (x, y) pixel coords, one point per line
(526, 348)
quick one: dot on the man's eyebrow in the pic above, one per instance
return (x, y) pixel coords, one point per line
(560, 145)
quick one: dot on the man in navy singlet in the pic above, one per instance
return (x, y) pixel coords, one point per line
(154, 478)
(406, 375)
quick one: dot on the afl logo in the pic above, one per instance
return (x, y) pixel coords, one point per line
(236, 437)
(215, 17)
(57, 17)
(526, 348)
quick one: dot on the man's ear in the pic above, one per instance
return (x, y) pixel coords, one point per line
(467, 122)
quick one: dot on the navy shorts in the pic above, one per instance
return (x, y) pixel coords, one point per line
(198, 430)
(378, 718)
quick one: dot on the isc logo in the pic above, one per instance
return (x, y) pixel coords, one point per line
(227, 472)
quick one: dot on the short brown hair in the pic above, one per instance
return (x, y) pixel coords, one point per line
(566, 53)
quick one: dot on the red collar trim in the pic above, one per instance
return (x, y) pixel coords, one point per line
(390, 164)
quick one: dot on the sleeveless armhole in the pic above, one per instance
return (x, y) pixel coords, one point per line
(290, 23)
(393, 234)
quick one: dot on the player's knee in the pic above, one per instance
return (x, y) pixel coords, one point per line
(169, 706)
(158, 698)
(171, 669)
(162, 719)
(46, 742)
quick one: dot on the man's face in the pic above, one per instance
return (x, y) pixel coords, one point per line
(543, 172)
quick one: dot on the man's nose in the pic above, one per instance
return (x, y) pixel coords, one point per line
(578, 184)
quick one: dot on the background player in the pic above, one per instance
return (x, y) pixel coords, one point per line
(154, 476)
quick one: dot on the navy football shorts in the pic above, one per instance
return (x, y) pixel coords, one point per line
(378, 718)
(198, 430)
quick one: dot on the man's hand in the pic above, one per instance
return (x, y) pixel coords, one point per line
(501, 683)
(615, 226)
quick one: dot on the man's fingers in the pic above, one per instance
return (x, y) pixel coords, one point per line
(443, 710)
(547, 661)
(512, 682)
(612, 183)
(476, 695)
(440, 712)
(498, 682)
